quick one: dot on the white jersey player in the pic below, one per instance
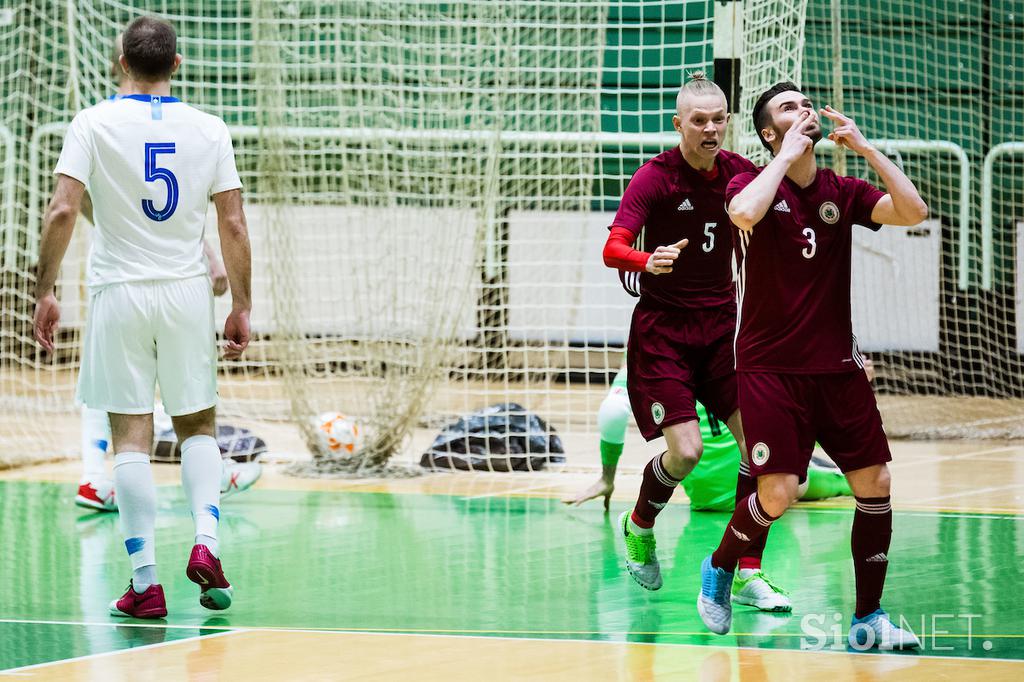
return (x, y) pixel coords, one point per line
(151, 164)
(96, 488)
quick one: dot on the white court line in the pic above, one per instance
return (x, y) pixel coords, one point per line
(924, 459)
(512, 491)
(974, 491)
(104, 654)
(513, 638)
(987, 451)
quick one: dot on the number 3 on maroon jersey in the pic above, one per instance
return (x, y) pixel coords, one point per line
(812, 246)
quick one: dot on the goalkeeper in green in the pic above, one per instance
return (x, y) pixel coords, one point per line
(711, 486)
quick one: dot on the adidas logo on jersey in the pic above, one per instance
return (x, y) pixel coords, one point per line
(782, 207)
(685, 206)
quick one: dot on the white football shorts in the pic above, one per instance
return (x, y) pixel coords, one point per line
(142, 333)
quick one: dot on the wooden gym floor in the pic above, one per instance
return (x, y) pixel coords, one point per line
(461, 576)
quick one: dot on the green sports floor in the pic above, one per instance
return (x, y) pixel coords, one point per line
(499, 566)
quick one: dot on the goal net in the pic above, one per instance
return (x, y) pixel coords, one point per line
(937, 86)
(428, 187)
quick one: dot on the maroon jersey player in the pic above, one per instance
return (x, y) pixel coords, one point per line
(680, 346)
(798, 367)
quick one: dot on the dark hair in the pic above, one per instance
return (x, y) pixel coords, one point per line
(762, 117)
(149, 46)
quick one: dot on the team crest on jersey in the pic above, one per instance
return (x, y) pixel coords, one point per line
(658, 413)
(759, 454)
(829, 212)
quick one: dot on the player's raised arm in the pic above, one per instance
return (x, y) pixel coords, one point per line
(749, 206)
(234, 245)
(58, 225)
(903, 204)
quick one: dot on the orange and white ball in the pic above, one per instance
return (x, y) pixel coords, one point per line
(341, 433)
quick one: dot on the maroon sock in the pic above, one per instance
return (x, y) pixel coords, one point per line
(869, 542)
(749, 521)
(655, 491)
(746, 486)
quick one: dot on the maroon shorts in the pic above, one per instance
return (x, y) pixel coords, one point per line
(676, 357)
(784, 414)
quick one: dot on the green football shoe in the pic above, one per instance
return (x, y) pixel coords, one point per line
(641, 558)
(760, 592)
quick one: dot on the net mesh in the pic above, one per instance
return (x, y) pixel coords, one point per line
(938, 85)
(428, 186)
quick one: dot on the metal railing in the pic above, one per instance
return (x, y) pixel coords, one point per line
(598, 139)
(10, 233)
(987, 223)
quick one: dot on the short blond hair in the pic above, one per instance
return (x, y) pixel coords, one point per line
(698, 85)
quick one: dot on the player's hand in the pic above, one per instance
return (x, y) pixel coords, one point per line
(846, 133)
(236, 334)
(796, 143)
(218, 277)
(664, 257)
(46, 321)
(602, 488)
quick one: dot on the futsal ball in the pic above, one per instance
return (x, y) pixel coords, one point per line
(341, 434)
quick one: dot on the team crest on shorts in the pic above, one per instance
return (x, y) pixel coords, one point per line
(759, 454)
(829, 212)
(658, 413)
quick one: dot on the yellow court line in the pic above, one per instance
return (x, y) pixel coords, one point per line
(911, 507)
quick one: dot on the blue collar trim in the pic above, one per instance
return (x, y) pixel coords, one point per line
(147, 98)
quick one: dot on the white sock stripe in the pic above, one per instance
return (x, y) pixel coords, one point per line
(662, 475)
(873, 510)
(758, 517)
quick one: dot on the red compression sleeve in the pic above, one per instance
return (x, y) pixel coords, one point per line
(620, 254)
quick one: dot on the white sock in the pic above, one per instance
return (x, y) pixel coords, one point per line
(745, 573)
(95, 439)
(201, 469)
(637, 530)
(143, 577)
(136, 500)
